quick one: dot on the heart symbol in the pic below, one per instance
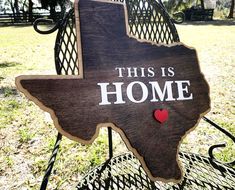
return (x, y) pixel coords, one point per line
(161, 115)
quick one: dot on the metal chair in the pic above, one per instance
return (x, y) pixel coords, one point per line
(151, 22)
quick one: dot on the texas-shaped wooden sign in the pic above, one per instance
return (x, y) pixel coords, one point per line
(152, 95)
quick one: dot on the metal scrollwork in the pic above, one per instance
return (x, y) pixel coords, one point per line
(221, 145)
(48, 21)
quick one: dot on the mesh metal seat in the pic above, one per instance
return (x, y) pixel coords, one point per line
(125, 172)
(147, 20)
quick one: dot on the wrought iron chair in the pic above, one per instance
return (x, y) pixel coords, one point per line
(125, 172)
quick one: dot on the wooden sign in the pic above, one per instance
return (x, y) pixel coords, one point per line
(152, 95)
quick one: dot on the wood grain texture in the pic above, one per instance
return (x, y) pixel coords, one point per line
(74, 102)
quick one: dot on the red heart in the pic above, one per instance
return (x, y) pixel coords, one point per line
(161, 115)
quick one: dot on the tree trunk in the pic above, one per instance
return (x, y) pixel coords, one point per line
(24, 12)
(30, 11)
(52, 12)
(231, 9)
(13, 10)
(17, 10)
(202, 4)
(63, 9)
(16, 5)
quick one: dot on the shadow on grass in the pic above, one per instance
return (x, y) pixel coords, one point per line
(227, 22)
(9, 64)
(26, 25)
(8, 91)
(15, 24)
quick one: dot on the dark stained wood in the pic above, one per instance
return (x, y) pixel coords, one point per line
(74, 102)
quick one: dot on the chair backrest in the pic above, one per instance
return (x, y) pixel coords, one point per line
(147, 20)
(66, 55)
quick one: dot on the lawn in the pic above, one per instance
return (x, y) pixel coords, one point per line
(27, 134)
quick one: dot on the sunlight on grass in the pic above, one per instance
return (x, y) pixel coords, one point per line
(215, 46)
(25, 51)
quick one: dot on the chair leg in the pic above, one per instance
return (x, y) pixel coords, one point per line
(110, 142)
(51, 162)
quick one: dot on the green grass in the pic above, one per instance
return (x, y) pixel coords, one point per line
(27, 134)
(215, 46)
(24, 51)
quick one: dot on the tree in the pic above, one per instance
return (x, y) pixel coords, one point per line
(30, 10)
(11, 3)
(15, 8)
(1, 6)
(177, 5)
(52, 5)
(202, 4)
(231, 9)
